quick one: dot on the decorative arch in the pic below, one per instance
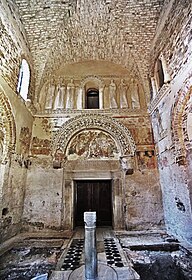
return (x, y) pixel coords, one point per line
(95, 79)
(180, 112)
(7, 128)
(116, 130)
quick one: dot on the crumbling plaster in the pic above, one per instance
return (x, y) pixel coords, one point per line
(52, 190)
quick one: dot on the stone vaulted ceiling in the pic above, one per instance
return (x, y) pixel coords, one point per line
(62, 32)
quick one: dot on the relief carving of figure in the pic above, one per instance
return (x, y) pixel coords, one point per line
(70, 95)
(135, 96)
(79, 100)
(50, 89)
(123, 94)
(59, 95)
(112, 95)
(124, 164)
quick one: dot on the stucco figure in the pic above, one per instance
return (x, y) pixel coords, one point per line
(70, 95)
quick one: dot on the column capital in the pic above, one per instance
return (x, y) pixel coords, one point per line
(90, 219)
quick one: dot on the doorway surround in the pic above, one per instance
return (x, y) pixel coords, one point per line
(69, 191)
(93, 196)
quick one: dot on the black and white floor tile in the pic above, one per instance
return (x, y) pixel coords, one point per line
(112, 253)
(73, 256)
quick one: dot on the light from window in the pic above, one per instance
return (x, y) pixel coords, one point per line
(24, 77)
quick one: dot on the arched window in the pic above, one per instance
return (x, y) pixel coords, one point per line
(92, 100)
(24, 78)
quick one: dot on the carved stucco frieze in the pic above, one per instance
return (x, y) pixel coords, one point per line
(122, 111)
(94, 78)
(116, 130)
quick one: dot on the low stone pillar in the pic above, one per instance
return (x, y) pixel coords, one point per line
(90, 246)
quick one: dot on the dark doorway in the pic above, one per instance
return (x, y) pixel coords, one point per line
(93, 196)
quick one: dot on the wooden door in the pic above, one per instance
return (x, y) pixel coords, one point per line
(93, 196)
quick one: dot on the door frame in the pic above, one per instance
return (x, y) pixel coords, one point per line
(68, 201)
(75, 197)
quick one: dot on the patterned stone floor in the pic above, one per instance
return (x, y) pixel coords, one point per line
(112, 253)
(73, 256)
(110, 256)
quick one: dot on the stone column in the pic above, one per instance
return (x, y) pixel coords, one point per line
(101, 98)
(90, 246)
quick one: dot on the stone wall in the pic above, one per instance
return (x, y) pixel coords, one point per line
(16, 120)
(170, 111)
(49, 203)
(16, 134)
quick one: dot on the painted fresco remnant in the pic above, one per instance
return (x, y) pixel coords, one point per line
(40, 146)
(146, 160)
(24, 139)
(92, 144)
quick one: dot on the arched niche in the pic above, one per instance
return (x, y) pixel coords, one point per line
(91, 82)
(182, 122)
(160, 74)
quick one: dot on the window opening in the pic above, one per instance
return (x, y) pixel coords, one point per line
(24, 78)
(92, 99)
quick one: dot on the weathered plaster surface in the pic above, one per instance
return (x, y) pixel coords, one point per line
(170, 110)
(49, 202)
(13, 165)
